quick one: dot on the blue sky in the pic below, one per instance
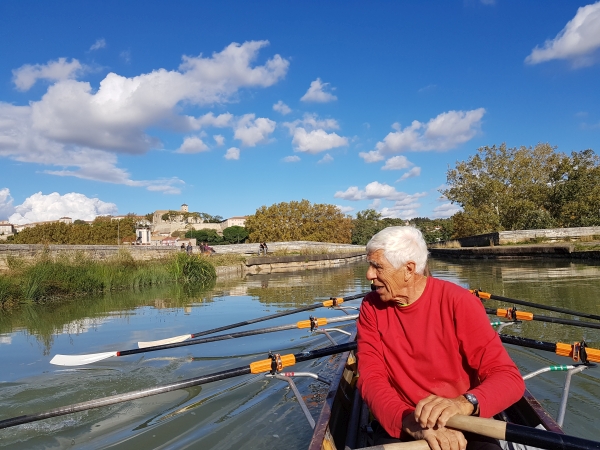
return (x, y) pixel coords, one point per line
(117, 107)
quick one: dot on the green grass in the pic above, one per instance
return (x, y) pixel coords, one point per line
(47, 278)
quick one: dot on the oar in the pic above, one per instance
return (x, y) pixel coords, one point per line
(262, 366)
(81, 360)
(523, 315)
(508, 432)
(487, 296)
(560, 348)
(520, 434)
(327, 303)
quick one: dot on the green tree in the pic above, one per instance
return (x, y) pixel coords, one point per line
(235, 234)
(503, 188)
(365, 226)
(205, 235)
(210, 219)
(299, 221)
(102, 231)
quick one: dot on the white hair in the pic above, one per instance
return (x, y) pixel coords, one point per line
(400, 245)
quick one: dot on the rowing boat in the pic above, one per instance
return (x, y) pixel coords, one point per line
(343, 421)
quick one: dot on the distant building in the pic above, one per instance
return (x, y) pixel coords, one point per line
(6, 228)
(142, 235)
(237, 221)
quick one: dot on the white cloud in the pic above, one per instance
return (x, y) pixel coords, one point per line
(25, 76)
(312, 122)
(192, 144)
(100, 43)
(325, 159)
(414, 172)
(282, 108)
(345, 209)
(577, 41)
(291, 159)
(208, 120)
(445, 210)
(372, 156)
(399, 212)
(40, 207)
(316, 93)
(20, 141)
(396, 163)
(316, 141)
(232, 153)
(80, 130)
(6, 203)
(309, 134)
(219, 139)
(377, 190)
(444, 132)
(253, 131)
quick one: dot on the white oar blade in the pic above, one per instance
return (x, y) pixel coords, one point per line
(80, 360)
(172, 340)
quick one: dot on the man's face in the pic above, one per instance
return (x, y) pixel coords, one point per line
(388, 280)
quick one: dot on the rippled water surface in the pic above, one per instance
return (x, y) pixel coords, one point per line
(249, 411)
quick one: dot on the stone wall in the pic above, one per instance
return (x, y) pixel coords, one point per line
(525, 236)
(139, 252)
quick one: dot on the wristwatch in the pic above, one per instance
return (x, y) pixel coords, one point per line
(473, 401)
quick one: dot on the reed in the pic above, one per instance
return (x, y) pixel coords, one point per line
(446, 244)
(76, 274)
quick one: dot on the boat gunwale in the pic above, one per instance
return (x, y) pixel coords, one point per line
(322, 423)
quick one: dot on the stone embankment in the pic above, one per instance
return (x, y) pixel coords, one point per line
(315, 254)
(516, 252)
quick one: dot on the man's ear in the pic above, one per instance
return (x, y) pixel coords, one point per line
(411, 268)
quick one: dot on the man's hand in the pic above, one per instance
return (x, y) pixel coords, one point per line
(438, 438)
(435, 411)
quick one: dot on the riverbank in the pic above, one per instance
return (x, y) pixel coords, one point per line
(581, 251)
(73, 275)
(290, 263)
(42, 273)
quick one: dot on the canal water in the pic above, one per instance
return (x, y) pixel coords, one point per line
(249, 411)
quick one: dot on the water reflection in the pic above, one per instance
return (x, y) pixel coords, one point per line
(250, 411)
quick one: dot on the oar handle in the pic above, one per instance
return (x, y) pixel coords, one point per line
(486, 427)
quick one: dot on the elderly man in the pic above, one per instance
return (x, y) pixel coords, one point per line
(426, 350)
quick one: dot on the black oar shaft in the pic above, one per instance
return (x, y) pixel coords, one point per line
(530, 343)
(221, 337)
(272, 316)
(546, 439)
(575, 323)
(485, 295)
(520, 434)
(119, 398)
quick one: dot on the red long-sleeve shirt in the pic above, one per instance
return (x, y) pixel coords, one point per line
(441, 344)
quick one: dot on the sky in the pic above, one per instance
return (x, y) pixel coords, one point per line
(130, 107)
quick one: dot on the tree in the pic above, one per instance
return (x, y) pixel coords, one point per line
(103, 230)
(365, 226)
(207, 218)
(299, 221)
(235, 234)
(205, 235)
(503, 188)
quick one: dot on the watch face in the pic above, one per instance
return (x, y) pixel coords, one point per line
(472, 399)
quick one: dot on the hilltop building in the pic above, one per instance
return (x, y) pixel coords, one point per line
(168, 221)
